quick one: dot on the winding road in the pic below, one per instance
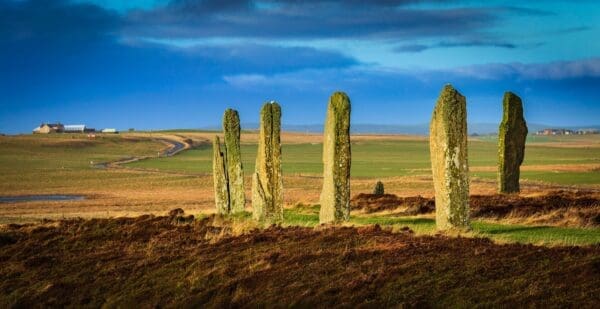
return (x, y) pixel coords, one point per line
(174, 147)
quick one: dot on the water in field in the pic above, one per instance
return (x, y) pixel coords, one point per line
(35, 198)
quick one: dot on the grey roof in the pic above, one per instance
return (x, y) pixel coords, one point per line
(74, 127)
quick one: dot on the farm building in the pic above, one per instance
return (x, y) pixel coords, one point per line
(109, 130)
(555, 132)
(587, 131)
(46, 128)
(77, 128)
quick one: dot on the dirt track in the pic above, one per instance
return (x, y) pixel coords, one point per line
(153, 261)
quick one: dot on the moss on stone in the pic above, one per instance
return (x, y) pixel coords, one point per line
(233, 157)
(267, 181)
(220, 178)
(449, 161)
(512, 134)
(335, 196)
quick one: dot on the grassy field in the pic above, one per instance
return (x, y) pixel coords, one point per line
(383, 258)
(381, 159)
(48, 162)
(62, 164)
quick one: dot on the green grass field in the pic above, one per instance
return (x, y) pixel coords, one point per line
(378, 159)
(44, 163)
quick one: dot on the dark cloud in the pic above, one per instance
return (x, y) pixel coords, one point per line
(477, 43)
(209, 6)
(56, 22)
(525, 11)
(572, 30)
(416, 48)
(63, 20)
(411, 48)
(311, 19)
(58, 46)
(558, 70)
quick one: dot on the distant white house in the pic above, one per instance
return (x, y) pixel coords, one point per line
(110, 130)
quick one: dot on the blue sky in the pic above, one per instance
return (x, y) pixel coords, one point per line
(158, 64)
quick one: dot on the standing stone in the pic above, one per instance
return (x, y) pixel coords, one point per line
(379, 189)
(511, 144)
(220, 178)
(449, 164)
(335, 196)
(267, 181)
(233, 160)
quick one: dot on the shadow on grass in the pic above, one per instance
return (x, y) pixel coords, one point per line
(507, 229)
(309, 217)
(392, 220)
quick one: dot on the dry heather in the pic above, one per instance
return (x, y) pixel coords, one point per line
(560, 208)
(174, 261)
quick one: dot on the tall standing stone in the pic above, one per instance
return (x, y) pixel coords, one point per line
(511, 144)
(267, 181)
(233, 158)
(449, 164)
(220, 178)
(335, 196)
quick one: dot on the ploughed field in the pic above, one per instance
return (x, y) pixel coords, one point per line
(173, 261)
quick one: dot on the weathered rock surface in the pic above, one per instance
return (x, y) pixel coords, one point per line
(267, 181)
(335, 196)
(220, 178)
(233, 158)
(449, 163)
(511, 144)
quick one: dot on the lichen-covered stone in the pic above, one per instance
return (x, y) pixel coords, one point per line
(233, 160)
(220, 178)
(267, 181)
(335, 196)
(511, 144)
(449, 164)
